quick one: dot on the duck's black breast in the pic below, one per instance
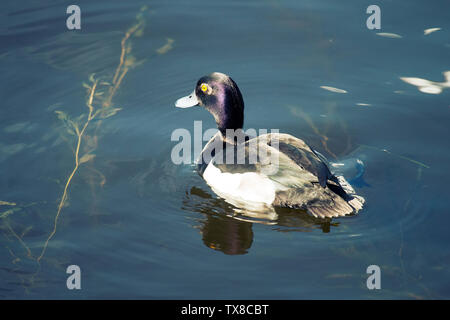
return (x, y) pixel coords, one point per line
(225, 154)
(208, 153)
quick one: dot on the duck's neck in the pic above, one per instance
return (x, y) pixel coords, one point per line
(231, 112)
(230, 123)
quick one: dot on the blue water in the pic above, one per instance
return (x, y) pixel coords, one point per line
(139, 226)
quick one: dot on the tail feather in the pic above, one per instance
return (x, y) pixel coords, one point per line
(339, 208)
(354, 200)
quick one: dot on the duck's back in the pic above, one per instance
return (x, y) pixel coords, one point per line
(286, 172)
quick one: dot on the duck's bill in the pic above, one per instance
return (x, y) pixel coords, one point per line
(187, 102)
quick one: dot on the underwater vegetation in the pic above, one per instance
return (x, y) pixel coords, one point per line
(82, 134)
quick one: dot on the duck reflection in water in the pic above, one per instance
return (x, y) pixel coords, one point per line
(230, 230)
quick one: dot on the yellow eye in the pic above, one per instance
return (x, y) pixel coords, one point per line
(204, 87)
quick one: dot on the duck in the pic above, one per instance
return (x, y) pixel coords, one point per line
(269, 170)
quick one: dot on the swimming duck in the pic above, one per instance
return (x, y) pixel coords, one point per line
(299, 178)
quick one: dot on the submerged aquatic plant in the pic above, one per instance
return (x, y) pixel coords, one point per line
(322, 133)
(100, 94)
(101, 91)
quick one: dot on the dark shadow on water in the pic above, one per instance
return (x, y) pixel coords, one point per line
(298, 220)
(226, 234)
(225, 229)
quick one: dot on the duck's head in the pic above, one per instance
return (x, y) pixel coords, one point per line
(220, 95)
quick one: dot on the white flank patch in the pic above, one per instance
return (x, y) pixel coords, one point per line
(248, 186)
(363, 104)
(332, 89)
(430, 30)
(389, 35)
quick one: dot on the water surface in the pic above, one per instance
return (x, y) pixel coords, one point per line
(140, 226)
